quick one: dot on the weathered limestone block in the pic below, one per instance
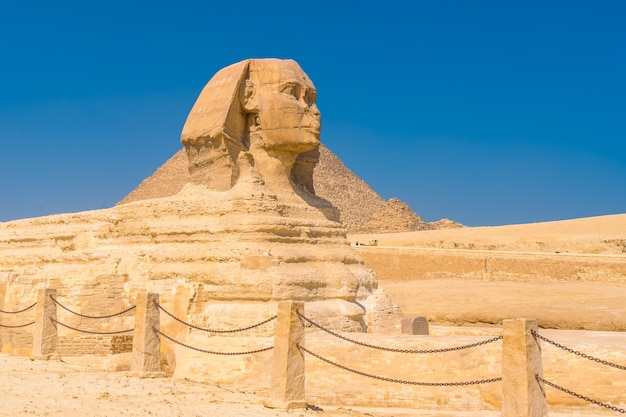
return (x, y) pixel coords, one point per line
(146, 359)
(414, 325)
(287, 387)
(382, 315)
(45, 329)
(522, 395)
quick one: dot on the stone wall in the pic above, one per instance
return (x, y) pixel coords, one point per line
(416, 263)
(94, 345)
(329, 385)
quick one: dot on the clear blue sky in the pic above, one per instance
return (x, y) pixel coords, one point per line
(484, 112)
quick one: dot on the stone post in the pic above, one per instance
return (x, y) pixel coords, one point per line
(45, 329)
(287, 386)
(522, 395)
(415, 325)
(486, 274)
(146, 356)
(5, 347)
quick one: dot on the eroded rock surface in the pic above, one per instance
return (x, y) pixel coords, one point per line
(244, 231)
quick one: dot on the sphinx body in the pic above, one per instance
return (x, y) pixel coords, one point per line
(245, 232)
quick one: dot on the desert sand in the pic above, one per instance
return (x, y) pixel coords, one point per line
(59, 389)
(557, 305)
(561, 302)
(590, 235)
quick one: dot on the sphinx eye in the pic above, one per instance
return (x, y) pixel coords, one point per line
(291, 89)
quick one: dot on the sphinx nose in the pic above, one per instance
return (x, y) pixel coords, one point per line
(313, 109)
(303, 101)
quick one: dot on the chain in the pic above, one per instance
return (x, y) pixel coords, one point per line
(19, 311)
(92, 317)
(400, 381)
(17, 326)
(582, 397)
(210, 351)
(582, 355)
(419, 351)
(90, 331)
(213, 330)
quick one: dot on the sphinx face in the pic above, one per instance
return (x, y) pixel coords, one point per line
(288, 115)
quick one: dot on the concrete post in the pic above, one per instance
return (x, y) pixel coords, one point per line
(45, 329)
(522, 394)
(287, 386)
(146, 356)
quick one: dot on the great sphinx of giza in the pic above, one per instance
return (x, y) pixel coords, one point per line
(245, 232)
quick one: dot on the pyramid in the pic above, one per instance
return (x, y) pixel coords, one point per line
(362, 210)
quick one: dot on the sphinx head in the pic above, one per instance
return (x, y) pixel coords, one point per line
(262, 107)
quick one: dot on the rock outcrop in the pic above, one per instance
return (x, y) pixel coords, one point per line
(445, 224)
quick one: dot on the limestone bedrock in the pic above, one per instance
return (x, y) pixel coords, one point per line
(246, 232)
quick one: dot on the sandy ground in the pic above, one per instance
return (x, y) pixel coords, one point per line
(586, 305)
(592, 235)
(565, 304)
(58, 389)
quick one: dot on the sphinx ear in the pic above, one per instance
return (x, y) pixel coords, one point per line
(249, 97)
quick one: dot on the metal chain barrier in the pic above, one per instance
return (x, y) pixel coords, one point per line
(17, 326)
(214, 330)
(7, 326)
(400, 381)
(210, 351)
(582, 397)
(91, 317)
(418, 351)
(19, 311)
(582, 355)
(90, 331)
